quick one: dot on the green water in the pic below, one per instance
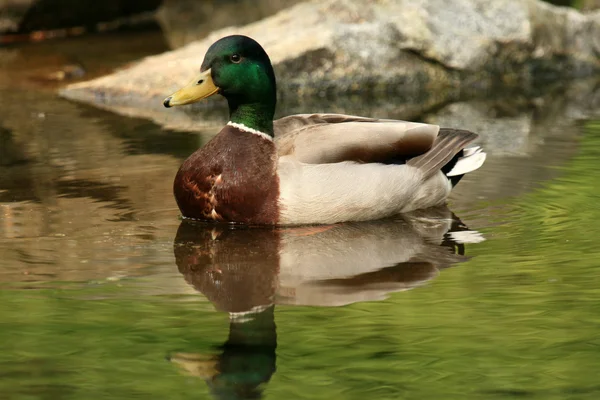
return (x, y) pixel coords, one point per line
(107, 295)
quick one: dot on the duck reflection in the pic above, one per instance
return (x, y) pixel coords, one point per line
(244, 362)
(247, 271)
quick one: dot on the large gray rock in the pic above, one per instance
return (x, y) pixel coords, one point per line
(426, 52)
(184, 21)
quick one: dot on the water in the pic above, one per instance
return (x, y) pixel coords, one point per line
(107, 294)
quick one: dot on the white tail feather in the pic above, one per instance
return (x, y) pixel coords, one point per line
(471, 150)
(468, 163)
(466, 237)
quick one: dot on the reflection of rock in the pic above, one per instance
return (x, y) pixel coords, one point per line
(74, 196)
(516, 126)
(244, 269)
(382, 48)
(36, 15)
(79, 188)
(499, 132)
(79, 192)
(11, 154)
(513, 125)
(522, 137)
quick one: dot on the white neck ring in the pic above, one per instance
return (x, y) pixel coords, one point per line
(244, 128)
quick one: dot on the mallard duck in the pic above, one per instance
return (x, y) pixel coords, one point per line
(307, 169)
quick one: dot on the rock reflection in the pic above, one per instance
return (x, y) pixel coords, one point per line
(247, 271)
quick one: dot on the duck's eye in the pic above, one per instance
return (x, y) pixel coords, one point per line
(235, 58)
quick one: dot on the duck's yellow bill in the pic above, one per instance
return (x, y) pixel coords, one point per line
(201, 87)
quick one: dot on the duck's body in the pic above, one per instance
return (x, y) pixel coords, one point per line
(248, 177)
(307, 169)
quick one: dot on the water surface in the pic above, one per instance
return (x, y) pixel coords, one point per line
(106, 293)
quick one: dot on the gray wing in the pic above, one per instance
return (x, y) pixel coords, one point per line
(331, 138)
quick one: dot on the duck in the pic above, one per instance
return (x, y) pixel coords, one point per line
(307, 168)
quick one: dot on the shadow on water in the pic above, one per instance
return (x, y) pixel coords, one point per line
(246, 272)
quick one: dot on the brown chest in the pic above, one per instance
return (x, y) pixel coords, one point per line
(232, 179)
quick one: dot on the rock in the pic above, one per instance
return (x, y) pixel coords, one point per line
(184, 21)
(422, 53)
(590, 5)
(24, 16)
(566, 41)
(508, 123)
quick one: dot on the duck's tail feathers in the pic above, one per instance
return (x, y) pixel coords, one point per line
(471, 159)
(445, 152)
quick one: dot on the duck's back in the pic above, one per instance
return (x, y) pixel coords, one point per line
(331, 138)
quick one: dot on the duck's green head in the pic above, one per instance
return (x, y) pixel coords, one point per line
(238, 68)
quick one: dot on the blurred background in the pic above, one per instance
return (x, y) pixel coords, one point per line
(181, 21)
